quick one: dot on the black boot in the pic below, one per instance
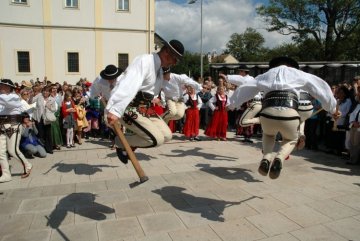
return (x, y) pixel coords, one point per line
(123, 158)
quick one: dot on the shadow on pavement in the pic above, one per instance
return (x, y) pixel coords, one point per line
(197, 152)
(82, 204)
(100, 142)
(230, 173)
(79, 169)
(176, 197)
(348, 172)
(139, 156)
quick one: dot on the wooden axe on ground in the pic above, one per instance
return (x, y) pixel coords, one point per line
(132, 157)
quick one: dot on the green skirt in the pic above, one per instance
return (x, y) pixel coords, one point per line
(56, 131)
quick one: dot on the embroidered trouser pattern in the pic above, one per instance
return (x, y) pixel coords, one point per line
(248, 117)
(305, 113)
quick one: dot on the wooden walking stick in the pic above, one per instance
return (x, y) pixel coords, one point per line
(132, 157)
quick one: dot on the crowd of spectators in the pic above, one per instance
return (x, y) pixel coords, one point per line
(78, 117)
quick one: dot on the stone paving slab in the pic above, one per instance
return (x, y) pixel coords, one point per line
(39, 235)
(203, 233)
(205, 190)
(273, 223)
(237, 230)
(318, 232)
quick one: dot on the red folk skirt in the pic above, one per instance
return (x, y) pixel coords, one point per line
(218, 125)
(172, 125)
(192, 122)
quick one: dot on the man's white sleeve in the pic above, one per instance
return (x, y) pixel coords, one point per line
(128, 86)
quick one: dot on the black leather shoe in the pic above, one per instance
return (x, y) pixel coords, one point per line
(275, 168)
(197, 138)
(123, 158)
(264, 167)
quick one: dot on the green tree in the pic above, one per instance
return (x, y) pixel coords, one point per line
(248, 46)
(190, 64)
(289, 49)
(330, 23)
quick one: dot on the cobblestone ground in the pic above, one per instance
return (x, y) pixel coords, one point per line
(206, 190)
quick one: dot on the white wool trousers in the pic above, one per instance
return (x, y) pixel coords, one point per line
(175, 110)
(283, 120)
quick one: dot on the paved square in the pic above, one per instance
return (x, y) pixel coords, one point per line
(206, 190)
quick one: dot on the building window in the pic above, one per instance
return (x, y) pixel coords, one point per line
(71, 4)
(20, 2)
(73, 62)
(23, 59)
(123, 5)
(123, 61)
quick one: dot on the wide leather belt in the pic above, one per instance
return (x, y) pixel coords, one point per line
(304, 103)
(255, 100)
(281, 99)
(142, 98)
(10, 119)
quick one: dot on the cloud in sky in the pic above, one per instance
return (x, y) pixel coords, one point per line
(176, 19)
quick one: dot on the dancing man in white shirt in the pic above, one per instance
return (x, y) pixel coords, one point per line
(281, 85)
(10, 130)
(105, 82)
(173, 87)
(131, 99)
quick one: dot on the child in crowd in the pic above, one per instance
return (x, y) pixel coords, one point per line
(69, 116)
(29, 143)
(218, 125)
(93, 115)
(81, 121)
(192, 119)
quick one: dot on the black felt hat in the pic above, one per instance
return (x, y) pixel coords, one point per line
(7, 82)
(243, 67)
(176, 47)
(110, 72)
(283, 60)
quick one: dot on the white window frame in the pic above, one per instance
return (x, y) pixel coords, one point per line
(67, 61)
(72, 6)
(122, 3)
(17, 61)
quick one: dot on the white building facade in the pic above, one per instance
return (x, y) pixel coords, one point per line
(66, 40)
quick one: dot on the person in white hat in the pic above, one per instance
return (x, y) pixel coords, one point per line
(132, 97)
(10, 130)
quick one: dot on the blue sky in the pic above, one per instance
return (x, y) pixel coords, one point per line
(176, 19)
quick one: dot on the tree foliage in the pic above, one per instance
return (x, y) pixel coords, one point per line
(331, 24)
(290, 49)
(248, 46)
(190, 65)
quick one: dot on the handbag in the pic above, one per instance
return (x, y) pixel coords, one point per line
(49, 116)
